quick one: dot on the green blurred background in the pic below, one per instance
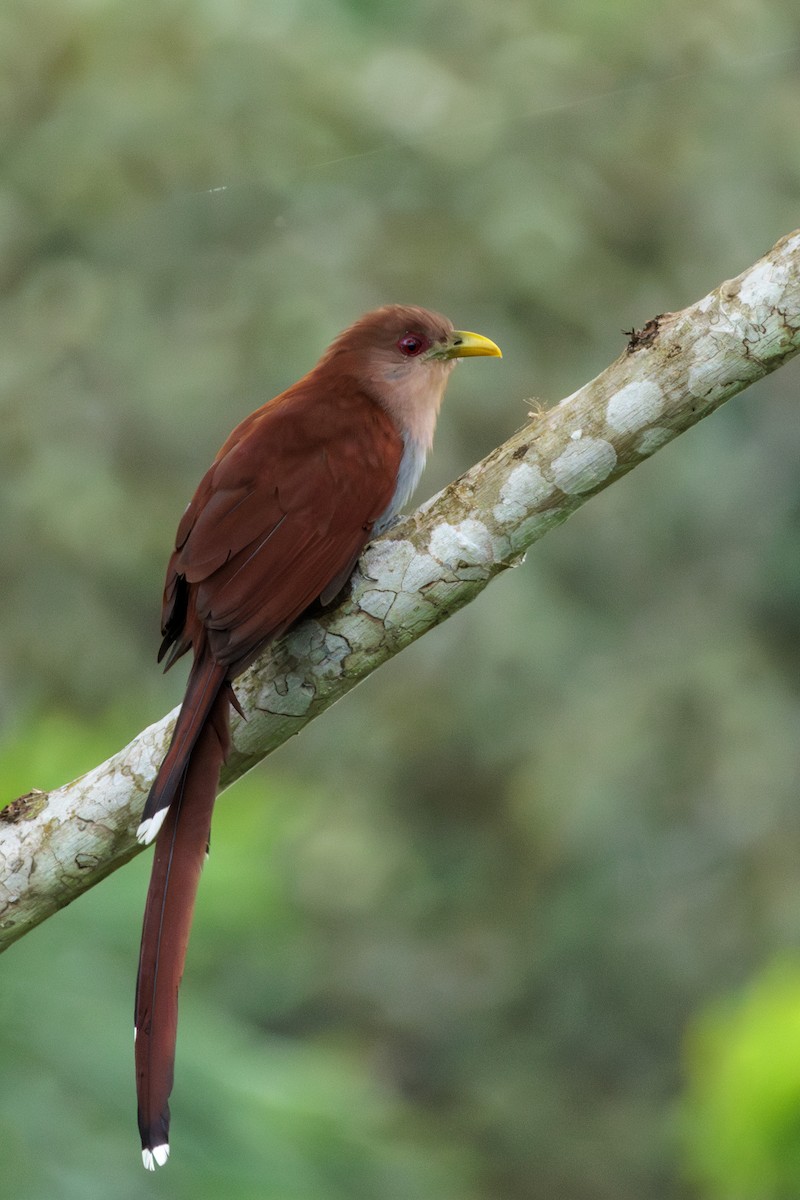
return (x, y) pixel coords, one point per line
(521, 917)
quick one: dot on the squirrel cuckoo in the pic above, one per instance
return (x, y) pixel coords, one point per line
(277, 523)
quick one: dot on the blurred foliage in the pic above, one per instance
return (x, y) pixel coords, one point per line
(449, 942)
(742, 1115)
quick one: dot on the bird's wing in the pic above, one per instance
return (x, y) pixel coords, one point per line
(287, 505)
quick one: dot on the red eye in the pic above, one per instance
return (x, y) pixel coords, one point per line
(412, 344)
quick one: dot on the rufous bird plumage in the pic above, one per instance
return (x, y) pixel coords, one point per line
(277, 523)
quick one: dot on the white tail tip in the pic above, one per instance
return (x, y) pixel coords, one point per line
(148, 829)
(155, 1157)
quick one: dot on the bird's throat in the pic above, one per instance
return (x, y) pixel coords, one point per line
(412, 464)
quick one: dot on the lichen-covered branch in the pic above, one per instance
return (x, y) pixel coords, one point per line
(675, 371)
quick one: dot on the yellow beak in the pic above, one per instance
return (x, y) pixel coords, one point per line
(462, 344)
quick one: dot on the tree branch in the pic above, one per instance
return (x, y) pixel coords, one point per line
(676, 370)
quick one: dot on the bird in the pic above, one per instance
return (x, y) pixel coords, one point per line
(275, 526)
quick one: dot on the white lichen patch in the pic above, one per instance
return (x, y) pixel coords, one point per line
(422, 569)
(652, 439)
(328, 657)
(467, 544)
(376, 604)
(365, 632)
(576, 435)
(386, 562)
(408, 612)
(584, 465)
(727, 324)
(763, 287)
(288, 695)
(636, 405)
(312, 642)
(707, 375)
(524, 489)
(144, 754)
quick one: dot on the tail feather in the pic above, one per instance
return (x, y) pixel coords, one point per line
(205, 680)
(180, 852)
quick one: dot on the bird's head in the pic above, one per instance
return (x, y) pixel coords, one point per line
(403, 355)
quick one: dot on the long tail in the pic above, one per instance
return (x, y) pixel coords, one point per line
(180, 852)
(205, 680)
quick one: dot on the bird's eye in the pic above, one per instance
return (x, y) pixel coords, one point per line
(412, 344)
